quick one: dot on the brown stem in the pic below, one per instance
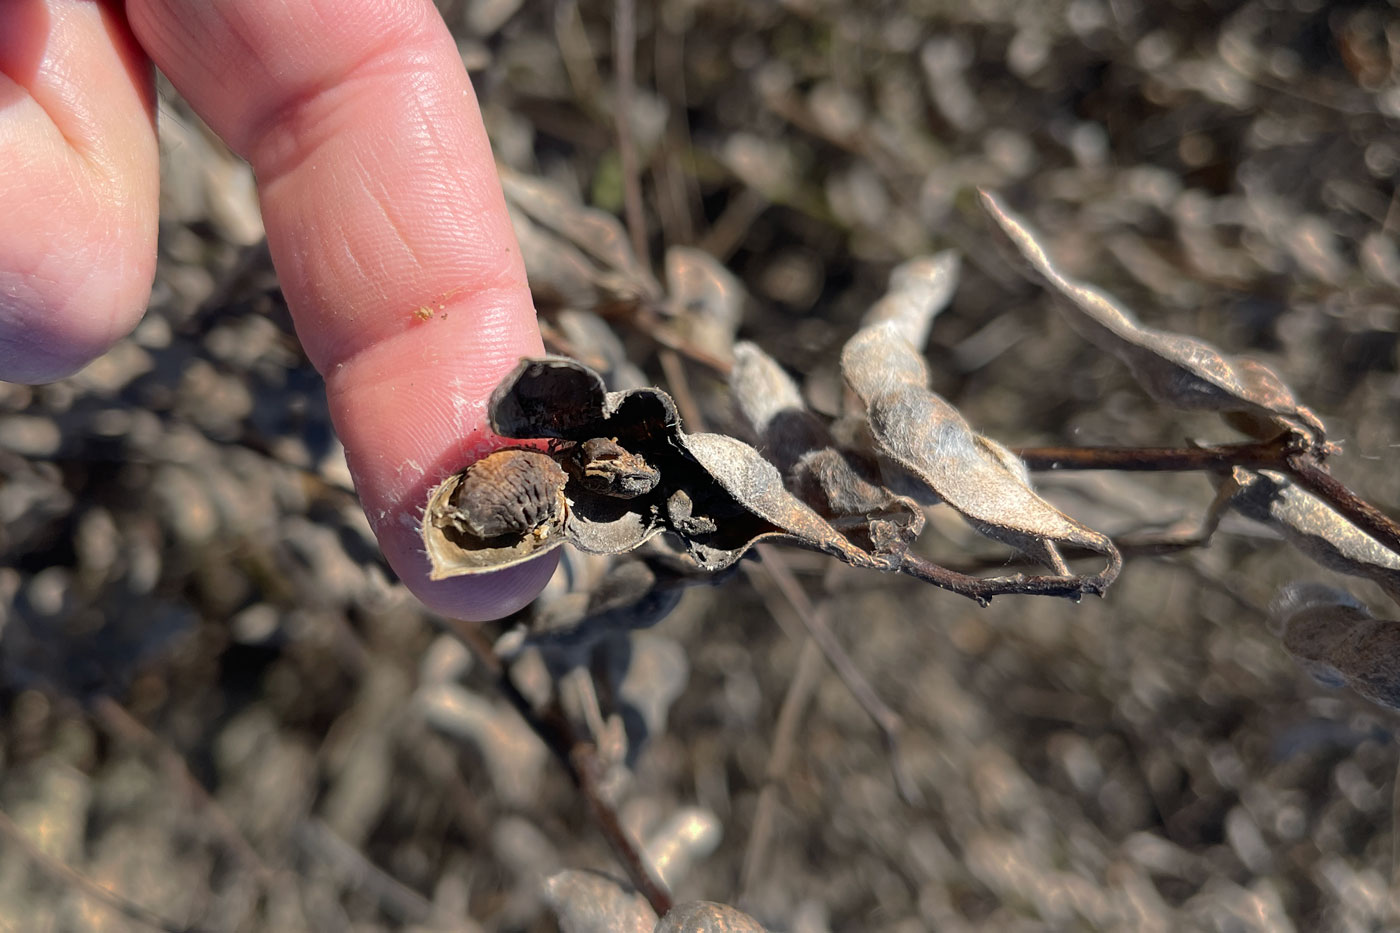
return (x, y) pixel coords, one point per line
(579, 757)
(65, 874)
(814, 619)
(624, 58)
(1259, 455)
(1311, 475)
(983, 589)
(1287, 453)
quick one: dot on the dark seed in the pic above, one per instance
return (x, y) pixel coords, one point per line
(509, 492)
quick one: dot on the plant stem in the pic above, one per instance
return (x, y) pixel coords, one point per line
(1287, 454)
(579, 757)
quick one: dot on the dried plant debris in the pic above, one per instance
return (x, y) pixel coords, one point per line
(708, 917)
(1313, 527)
(919, 289)
(636, 591)
(594, 342)
(1176, 370)
(924, 438)
(842, 486)
(579, 230)
(590, 902)
(619, 471)
(705, 298)
(1339, 642)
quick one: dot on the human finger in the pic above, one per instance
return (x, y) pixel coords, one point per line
(387, 225)
(78, 185)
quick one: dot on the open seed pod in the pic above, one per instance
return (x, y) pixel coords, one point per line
(506, 508)
(623, 472)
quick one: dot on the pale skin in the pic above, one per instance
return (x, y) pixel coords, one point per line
(378, 192)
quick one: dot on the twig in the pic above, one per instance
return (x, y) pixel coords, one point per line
(672, 369)
(729, 230)
(890, 723)
(983, 589)
(579, 757)
(118, 722)
(624, 68)
(1287, 453)
(799, 694)
(66, 874)
(357, 873)
(1316, 480)
(1260, 455)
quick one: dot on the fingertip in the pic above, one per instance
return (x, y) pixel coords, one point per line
(48, 334)
(480, 597)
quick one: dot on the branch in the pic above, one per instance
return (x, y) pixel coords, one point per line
(1259, 455)
(579, 757)
(625, 58)
(56, 869)
(1313, 477)
(983, 589)
(890, 723)
(1288, 453)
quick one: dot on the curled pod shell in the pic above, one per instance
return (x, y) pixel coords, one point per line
(502, 510)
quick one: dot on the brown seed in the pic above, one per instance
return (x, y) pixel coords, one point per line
(509, 492)
(604, 466)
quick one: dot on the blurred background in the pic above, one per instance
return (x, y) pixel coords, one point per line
(218, 702)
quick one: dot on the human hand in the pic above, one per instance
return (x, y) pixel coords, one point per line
(378, 192)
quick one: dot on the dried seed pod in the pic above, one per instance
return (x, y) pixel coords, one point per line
(1313, 527)
(505, 508)
(715, 493)
(595, 232)
(1339, 642)
(559, 274)
(924, 436)
(514, 756)
(773, 406)
(591, 902)
(815, 471)
(757, 487)
(1177, 370)
(706, 299)
(594, 337)
(633, 594)
(708, 917)
(684, 838)
(919, 290)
